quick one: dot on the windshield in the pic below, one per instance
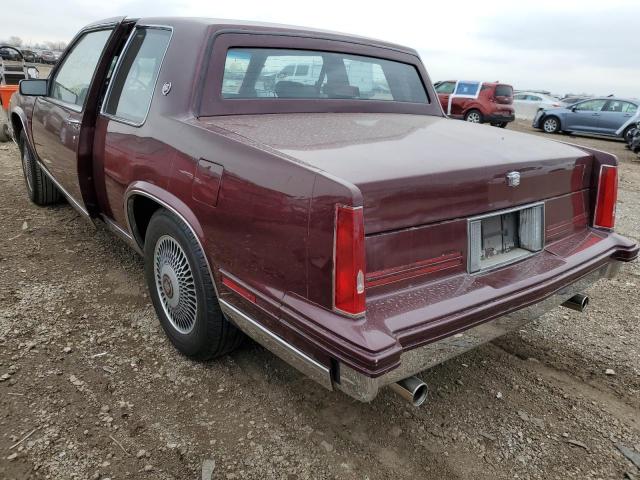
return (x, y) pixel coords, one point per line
(308, 74)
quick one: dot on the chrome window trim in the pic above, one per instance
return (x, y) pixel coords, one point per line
(116, 70)
(502, 212)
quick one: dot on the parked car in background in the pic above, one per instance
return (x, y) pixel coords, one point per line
(527, 104)
(30, 56)
(571, 100)
(492, 103)
(49, 57)
(601, 116)
(10, 54)
(362, 239)
(539, 100)
(629, 126)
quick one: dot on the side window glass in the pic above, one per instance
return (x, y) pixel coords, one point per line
(446, 87)
(135, 79)
(628, 107)
(590, 106)
(614, 106)
(71, 82)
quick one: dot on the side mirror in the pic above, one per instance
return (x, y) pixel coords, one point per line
(33, 72)
(33, 87)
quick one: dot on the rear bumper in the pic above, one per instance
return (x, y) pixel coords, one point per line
(427, 324)
(365, 388)
(500, 118)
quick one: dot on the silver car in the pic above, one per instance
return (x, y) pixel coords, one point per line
(601, 116)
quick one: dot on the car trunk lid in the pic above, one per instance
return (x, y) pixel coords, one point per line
(415, 169)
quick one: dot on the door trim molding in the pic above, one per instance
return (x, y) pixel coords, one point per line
(74, 203)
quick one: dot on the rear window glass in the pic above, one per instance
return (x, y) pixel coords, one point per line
(504, 91)
(307, 74)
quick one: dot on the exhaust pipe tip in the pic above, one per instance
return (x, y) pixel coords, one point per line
(411, 389)
(578, 302)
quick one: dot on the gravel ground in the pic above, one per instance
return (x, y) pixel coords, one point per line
(91, 389)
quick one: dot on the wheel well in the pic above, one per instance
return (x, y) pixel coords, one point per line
(626, 130)
(140, 210)
(16, 125)
(545, 117)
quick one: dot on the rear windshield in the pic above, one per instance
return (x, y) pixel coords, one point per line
(308, 74)
(504, 91)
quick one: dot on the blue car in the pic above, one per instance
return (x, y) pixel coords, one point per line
(601, 116)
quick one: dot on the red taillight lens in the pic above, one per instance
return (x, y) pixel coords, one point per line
(349, 268)
(605, 214)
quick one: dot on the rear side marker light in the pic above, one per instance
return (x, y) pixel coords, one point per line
(239, 289)
(606, 197)
(349, 261)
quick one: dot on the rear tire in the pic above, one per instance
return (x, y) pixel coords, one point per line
(499, 124)
(40, 189)
(4, 132)
(474, 116)
(551, 124)
(626, 135)
(182, 290)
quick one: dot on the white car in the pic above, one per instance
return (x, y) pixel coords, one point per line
(528, 103)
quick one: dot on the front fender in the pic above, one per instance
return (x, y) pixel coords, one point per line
(20, 110)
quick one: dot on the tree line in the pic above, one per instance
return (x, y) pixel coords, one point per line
(15, 41)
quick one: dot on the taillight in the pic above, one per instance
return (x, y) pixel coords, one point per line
(349, 261)
(607, 195)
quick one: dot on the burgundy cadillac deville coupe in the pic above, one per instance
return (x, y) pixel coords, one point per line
(306, 189)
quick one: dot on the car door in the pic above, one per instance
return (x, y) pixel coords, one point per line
(444, 91)
(124, 144)
(614, 114)
(58, 118)
(584, 116)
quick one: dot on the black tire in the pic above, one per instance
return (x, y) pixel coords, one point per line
(4, 130)
(499, 124)
(626, 135)
(40, 189)
(550, 124)
(207, 333)
(474, 116)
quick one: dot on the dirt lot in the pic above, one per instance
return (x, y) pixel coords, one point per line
(91, 389)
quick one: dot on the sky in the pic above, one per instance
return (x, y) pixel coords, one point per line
(562, 46)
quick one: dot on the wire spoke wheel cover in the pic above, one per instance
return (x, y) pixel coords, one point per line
(175, 284)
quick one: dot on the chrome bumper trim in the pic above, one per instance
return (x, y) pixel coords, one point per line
(290, 354)
(365, 389)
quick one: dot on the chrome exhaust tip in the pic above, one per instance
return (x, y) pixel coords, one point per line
(411, 389)
(578, 302)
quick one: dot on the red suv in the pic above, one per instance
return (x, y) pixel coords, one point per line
(477, 102)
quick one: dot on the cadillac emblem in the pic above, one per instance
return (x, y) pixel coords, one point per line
(513, 179)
